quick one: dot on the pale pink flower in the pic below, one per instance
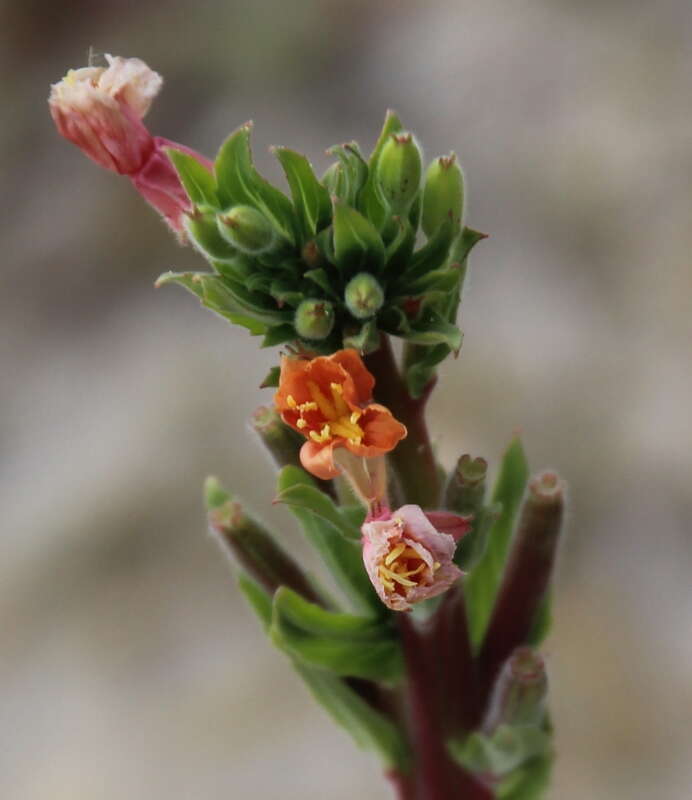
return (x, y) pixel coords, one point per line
(408, 559)
(100, 109)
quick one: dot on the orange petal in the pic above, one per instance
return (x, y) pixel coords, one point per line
(354, 366)
(382, 432)
(293, 381)
(318, 459)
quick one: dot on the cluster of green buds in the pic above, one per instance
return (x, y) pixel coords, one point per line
(375, 247)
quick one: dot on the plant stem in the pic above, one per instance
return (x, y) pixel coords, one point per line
(437, 776)
(413, 458)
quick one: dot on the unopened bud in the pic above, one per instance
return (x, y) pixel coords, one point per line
(246, 228)
(519, 694)
(399, 171)
(363, 296)
(200, 225)
(443, 194)
(256, 551)
(528, 572)
(314, 319)
(466, 486)
(280, 440)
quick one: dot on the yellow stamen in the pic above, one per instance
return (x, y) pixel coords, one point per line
(355, 416)
(324, 405)
(309, 406)
(291, 401)
(395, 553)
(323, 436)
(388, 573)
(339, 403)
(301, 423)
(342, 427)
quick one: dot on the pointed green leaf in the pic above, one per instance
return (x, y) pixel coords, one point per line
(310, 498)
(279, 334)
(502, 752)
(310, 198)
(357, 245)
(240, 183)
(321, 278)
(421, 368)
(272, 378)
(434, 331)
(371, 201)
(197, 181)
(342, 556)
(432, 256)
(370, 729)
(483, 580)
(366, 340)
(351, 174)
(258, 599)
(344, 644)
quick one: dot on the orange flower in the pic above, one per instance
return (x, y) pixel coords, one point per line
(328, 400)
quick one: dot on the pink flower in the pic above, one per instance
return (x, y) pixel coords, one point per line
(408, 559)
(100, 109)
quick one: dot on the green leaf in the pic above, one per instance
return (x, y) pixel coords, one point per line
(240, 183)
(421, 369)
(351, 174)
(484, 579)
(214, 293)
(433, 330)
(370, 729)
(506, 749)
(366, 340)
(542, 621)
(310, 198)
(285, 293)
(342, 556)
(279, 334)
(321, 278)
(257, 597)
(528, 782)
(430, 257)
(357, 245)
(400, 249)
(272, 378)
(344, 644)
(197, 181)
(371, 201)
(307, 496)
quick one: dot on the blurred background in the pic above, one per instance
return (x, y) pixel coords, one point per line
(129, 664)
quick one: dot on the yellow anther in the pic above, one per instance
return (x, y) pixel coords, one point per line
(291, 401)
(355, 416)
(395, 553)
(436, 566)
(309, 406)
(393, 576)
(301, 423)
(324, 405)
(336, 388)
(323, 436)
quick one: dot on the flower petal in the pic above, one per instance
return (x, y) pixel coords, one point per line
(318, 459)
(353, 364)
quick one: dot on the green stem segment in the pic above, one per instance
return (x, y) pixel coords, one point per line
(413, 459)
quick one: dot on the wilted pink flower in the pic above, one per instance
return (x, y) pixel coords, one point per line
(100, 109)
(408, 559)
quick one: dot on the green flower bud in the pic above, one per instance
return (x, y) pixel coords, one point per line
(246, 228)
(200, 225)
(363, 296)
(314, 319)
(443, 194)
(399, 171)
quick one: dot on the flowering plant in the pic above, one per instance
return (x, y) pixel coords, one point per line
(429, 656)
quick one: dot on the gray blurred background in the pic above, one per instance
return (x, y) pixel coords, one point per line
(129, 665)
